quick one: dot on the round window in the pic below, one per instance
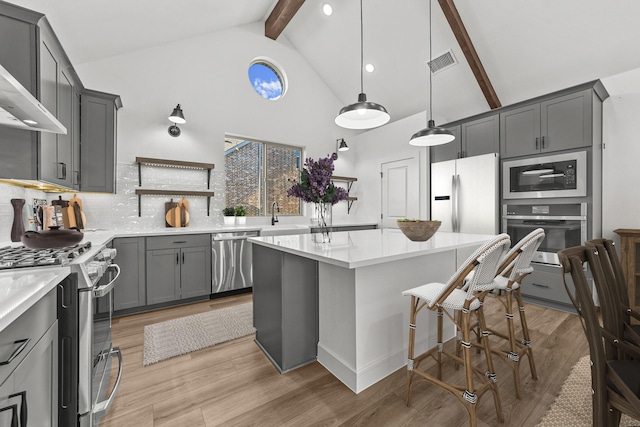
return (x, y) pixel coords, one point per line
(267, 79)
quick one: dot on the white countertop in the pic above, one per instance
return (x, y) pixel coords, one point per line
(353, 249)
(21, 288)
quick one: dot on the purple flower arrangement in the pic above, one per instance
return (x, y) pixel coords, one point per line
(315, 184)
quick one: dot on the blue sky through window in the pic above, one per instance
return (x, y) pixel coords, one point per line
(265, 81)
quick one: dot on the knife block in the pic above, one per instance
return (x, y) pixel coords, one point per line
(17, 228)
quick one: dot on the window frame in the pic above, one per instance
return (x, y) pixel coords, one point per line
(264, 210)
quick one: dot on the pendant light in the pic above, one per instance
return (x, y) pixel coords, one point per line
(431, 135)
(363, 114)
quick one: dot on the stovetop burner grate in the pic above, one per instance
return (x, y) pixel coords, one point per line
(21, 256)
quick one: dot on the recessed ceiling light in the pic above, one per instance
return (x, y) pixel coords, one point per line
(370, 68)
(327, 9)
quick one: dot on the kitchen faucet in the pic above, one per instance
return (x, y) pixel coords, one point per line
(274, 207)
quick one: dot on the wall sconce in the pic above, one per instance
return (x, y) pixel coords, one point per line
(341, 145)
(176, 117)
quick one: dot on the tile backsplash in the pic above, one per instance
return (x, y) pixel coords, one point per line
(119, 211)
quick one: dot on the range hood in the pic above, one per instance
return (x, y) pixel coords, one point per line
(19, 109)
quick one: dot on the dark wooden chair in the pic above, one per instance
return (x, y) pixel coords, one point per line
(616, 284)
(615, 380)
(447, 299)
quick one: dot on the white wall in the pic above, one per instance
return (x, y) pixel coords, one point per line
(208, 76)
(621, 155)
(385, 144)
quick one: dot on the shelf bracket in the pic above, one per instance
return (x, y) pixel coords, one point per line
(208, 181)
(208, 205)
(139, 175)
(139, 205)
(349, 204)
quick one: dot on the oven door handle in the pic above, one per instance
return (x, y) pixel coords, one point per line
(102, 407)
(103, 290)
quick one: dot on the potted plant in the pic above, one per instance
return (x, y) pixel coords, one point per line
(241, 218)
(229, 215)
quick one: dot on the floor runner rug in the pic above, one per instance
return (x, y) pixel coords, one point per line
(186, 334)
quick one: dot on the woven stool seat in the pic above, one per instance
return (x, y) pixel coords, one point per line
(454, 301)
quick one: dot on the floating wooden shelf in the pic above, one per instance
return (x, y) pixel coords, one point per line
(349, 180)
(148, 161)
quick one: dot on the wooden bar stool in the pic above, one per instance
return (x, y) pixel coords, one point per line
(446, 299)
(514, 267)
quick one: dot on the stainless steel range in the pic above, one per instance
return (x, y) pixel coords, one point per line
(85, 348)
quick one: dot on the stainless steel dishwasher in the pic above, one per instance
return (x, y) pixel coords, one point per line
(231, 260)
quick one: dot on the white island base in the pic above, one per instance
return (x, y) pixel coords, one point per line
(363, 319)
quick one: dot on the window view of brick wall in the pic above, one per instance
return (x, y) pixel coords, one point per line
(258, 173)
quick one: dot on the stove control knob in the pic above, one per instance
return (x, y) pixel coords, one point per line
(92, 271)
(109, 253)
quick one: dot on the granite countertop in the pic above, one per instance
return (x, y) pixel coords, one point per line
(21, 288)
(355, 249)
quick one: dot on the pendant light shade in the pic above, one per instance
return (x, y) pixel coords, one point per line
(431, 135)
(343, 145)
(363, 114)
(177, 116)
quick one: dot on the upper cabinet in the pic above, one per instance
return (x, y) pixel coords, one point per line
(560, 123)
(98, 141)
(473, 138)
(31, 52)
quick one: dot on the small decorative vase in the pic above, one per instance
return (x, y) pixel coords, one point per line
(17, 229)
(321, 221)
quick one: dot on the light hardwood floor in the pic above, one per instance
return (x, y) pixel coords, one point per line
(234, 384)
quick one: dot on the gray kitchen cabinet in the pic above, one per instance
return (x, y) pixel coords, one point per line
(556, 124)
(29, 381)
(98, 139)
(18, 54)
(285, 307)
(473, 138)
(130, 290)
(178, 267)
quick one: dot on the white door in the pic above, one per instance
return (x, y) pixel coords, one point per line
(400, 191)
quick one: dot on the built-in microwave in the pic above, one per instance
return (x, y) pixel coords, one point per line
(559, 175)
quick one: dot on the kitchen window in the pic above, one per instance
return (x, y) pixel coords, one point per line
(259, 173)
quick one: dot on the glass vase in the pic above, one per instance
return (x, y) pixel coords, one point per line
(321, 222)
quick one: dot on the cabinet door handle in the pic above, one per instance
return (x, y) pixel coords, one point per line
(76, 177)
(14, 414)
(177, 258)
(24, 411)
(62, 171)
(543, 144)
(183, 257)
(23, 344)
(537, 143)
(180, 241)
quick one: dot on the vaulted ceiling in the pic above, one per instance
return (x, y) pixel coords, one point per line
(527, 48)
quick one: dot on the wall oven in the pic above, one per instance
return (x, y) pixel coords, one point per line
(559, 175)
(565, 225)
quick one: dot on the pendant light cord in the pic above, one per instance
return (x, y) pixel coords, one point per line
(429, 66)
(361, 50)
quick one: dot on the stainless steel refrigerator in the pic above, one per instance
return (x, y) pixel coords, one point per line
(465, 194)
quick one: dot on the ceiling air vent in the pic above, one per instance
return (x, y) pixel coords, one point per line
(442, 62)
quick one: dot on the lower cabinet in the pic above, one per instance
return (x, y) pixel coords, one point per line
(30, 390)
(130, 290)
(178, 267)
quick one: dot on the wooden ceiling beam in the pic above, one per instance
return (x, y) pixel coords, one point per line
(280, 17)
(457, 26)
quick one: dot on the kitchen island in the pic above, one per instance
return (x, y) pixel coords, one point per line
(341, 303)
